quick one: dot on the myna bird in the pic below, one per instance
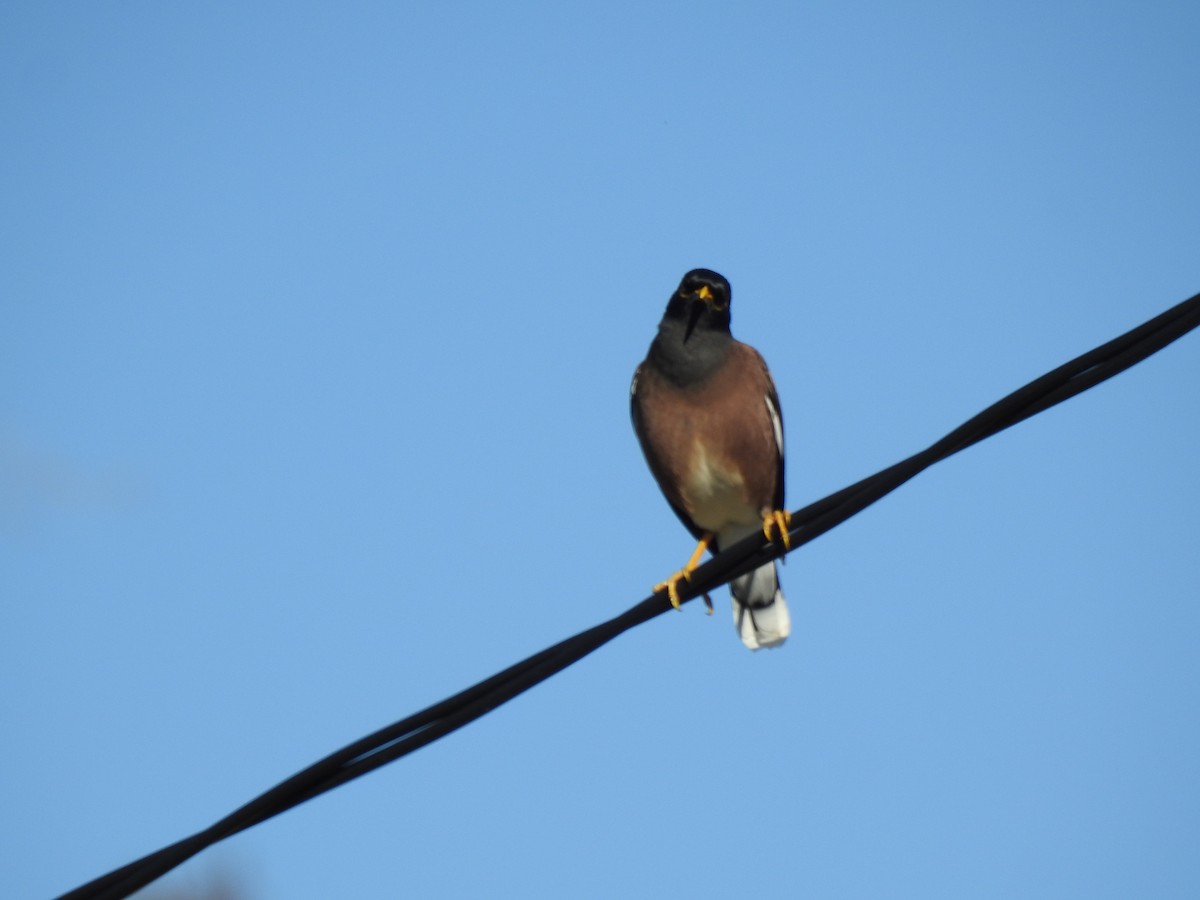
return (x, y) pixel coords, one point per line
(708, 419)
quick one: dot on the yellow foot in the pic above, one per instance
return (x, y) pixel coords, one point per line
(780, 520)
(685, 574)
(672, 586)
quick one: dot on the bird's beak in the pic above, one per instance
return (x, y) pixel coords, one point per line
(700, 299)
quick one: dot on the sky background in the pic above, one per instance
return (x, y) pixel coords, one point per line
(317, 323)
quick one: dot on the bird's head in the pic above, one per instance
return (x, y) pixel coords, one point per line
(701, 301)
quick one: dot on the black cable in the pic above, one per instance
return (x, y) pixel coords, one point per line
(426, 726)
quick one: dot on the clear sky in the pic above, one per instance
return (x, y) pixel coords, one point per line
(316, 329)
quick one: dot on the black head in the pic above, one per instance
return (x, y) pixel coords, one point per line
(701, 302)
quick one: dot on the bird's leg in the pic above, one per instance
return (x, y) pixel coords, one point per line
(779, 520)
(684, 574)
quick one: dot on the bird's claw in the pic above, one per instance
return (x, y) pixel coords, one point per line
(672, 586)
(685, 574)
(779, 520)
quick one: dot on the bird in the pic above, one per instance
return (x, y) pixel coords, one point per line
(707, 417)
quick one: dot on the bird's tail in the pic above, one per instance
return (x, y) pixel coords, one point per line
(759, 610)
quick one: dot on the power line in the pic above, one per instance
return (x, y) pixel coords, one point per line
(426, 726)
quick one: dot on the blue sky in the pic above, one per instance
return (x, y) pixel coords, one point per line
(315, 342)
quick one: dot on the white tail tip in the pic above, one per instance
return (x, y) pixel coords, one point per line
(760, 613)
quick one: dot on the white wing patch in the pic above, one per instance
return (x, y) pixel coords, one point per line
(633, 386)
(776, 423)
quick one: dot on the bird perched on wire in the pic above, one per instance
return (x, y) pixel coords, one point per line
(707, 416)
